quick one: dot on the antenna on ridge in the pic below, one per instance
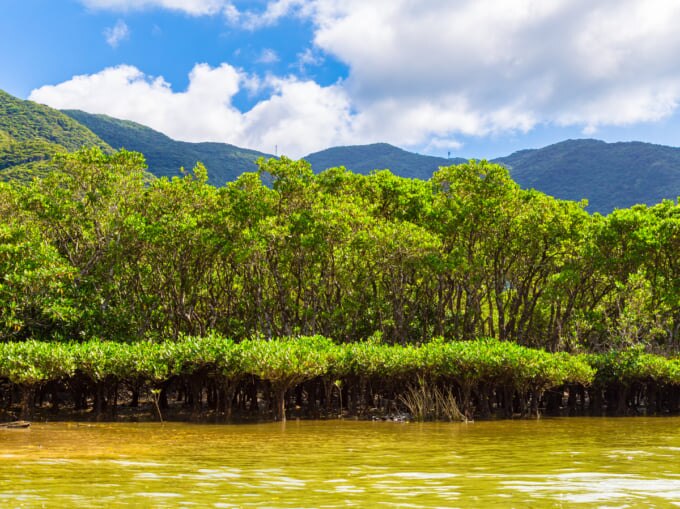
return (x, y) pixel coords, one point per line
(276, 150)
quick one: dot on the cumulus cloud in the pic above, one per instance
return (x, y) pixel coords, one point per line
(483, 66)
(509, 65)
(117, 33)
(439, 144)
(298, 116)
(422, 72)
(248, 18)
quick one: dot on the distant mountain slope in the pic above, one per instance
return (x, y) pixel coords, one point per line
(28, 121)
(379, 156)
(609, 175)
(30, 133)
(164, 155)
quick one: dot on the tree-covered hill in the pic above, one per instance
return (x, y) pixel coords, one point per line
(609, 175)
(166, 156)
(27, 121)
(366, 158)
(31, 133)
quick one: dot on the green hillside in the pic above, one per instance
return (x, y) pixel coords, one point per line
(609, 175)
(164, 155)
(30, 133)
(379, 156)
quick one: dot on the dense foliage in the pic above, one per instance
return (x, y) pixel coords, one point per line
(95, 249)
(162, 270)
(485, 376)
(23, 121)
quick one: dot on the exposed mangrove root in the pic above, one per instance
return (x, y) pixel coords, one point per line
(430, 403)
(447, 406)
(212, 378)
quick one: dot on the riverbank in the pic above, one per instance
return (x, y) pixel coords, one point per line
(214, 379)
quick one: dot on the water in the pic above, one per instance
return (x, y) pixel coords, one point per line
(571, 462)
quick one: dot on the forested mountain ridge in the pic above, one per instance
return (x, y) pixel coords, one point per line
(166, 156)
(366, 158)
(609, 175)
(31, 133)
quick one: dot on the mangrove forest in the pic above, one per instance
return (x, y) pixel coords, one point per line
(289, 293)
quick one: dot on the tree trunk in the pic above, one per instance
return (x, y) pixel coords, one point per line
(280, 393)
(27, 400)
(99, 403)
(535, 402)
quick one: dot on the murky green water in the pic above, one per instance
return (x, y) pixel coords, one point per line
(546, 463)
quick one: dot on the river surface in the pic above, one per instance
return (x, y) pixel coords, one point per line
(570, 462)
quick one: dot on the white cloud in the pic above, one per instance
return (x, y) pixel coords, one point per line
(299, 116)
(306, 59)
(192, 7)
(275, 10)
(484, 66)
(268, 56)
(442, 144)
(203, 112)
(440, 68)
(418, 72)
(249, 18)
(117, 33)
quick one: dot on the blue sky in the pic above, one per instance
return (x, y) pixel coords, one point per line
(477, 78)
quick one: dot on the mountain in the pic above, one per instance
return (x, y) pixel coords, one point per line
(609, 175)
(31, 133)
(379, 156)
(164, 155)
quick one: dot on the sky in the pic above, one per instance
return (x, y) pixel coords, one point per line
(465, 78)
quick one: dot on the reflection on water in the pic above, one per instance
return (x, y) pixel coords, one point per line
(546, 463)
(592, 487)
